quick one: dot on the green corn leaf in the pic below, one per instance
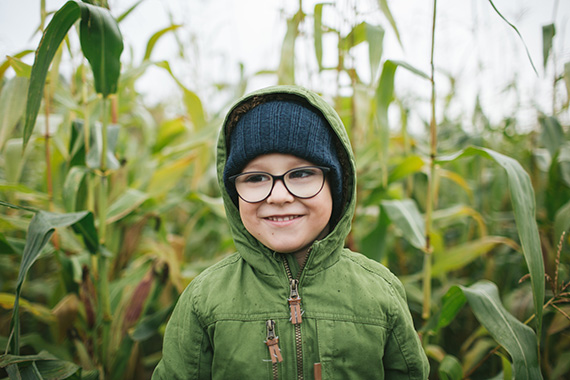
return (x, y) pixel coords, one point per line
(479, 345)
(558, 189)
(121, 358)
(42, 313)
(356, 36)
(452, 214)
(72, 185)
(318, 33)
(563, 163)
(411, 69)
(388, 14)
(54, 34)
(12, 106)
(507, 373)
(286, 69)
(374, 243)
(517, 338)
(40, 230)
(383, 97)
(129, 11)
(168, 133)
(451, 303)
(101, 43)
(385, 94)
(375, 38)
(552, 135)
(518, 33)
(29, 372)
(126, 203)
(450, 368)
(523, 201)
(149, 325)
(410, 165)
(13, 372)
(167, 176)
(13, 154)
(20, 68)
(191, 100)
(405, 216)
(458, 257)
(154, 39)
(43, 366)
(548, 32)
(23, 189)
(195, 109)
(562, 222)
(94, 155)
(457, 179)
(76, 147)
(7, 63)
(16, 207)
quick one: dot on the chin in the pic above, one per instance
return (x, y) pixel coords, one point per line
(286, 250)
(283, 248)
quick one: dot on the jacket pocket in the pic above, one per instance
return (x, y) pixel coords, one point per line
(349, 350)
(240, 351)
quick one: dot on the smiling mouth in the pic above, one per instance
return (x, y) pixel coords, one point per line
(282, 218)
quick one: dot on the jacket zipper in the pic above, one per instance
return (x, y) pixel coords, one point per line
(272, 343)
(295, 305)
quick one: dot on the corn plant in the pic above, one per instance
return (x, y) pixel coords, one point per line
(107, 304)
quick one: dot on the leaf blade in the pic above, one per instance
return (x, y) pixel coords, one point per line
(12, 106)
(102, 45)
(548, 32)
(524, 204)
(405, 215)
(54, 34)
(517, 338)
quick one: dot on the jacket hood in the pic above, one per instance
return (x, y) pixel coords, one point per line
(324, 252)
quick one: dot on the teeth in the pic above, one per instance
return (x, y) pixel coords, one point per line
(281, 218)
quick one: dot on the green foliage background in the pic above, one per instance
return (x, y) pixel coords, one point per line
(109, 205)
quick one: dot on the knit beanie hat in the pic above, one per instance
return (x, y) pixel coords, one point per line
(287, 127)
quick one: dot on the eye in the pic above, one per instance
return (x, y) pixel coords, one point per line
(254, 178)
(303, 173)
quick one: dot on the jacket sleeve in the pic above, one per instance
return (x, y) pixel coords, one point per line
(186, 352)
(404, 356)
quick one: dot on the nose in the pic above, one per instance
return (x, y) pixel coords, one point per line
(279, 194)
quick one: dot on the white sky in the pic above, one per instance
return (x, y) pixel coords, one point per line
(472, 44)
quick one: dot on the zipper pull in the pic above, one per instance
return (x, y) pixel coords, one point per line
(295, 302)
(272, 342)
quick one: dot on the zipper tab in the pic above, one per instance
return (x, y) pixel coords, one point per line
(295, 302)
(272, 342)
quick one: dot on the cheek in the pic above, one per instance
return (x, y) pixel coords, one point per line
(325, 200)
(247, 212)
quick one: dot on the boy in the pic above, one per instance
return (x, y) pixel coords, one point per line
(291, 303)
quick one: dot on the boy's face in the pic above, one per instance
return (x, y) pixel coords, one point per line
(283, 222)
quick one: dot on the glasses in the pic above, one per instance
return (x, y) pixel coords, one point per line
(304, 182)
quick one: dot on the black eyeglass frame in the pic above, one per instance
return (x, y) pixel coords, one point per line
(281, 177)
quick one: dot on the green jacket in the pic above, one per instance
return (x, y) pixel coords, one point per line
(355, 322)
